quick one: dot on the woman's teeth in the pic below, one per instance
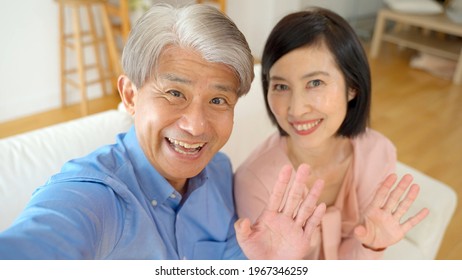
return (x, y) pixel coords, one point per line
(306, 126)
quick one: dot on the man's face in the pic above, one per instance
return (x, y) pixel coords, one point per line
(184, 114)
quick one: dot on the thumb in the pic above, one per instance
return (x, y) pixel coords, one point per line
(243, 230)
(360, 232)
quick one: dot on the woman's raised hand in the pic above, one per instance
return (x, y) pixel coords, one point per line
(284, 229)
(382, 226)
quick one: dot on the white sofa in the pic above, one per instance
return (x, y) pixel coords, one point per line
(27, 160)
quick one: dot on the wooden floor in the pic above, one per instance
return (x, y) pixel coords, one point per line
(420, 113)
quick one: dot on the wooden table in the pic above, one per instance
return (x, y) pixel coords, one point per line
(416, 39)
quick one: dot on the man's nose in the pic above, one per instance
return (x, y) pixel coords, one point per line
(194, 119)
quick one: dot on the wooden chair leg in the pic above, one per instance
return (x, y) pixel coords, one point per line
(96, 48)
(62, 50)
(80, 59)
(110, 43)
(77, 41)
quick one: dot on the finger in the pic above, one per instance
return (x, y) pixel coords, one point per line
(384, 189)
(413, 221)
(279, 189)
(313, 222)
(309, 203)
(395, 195)
(243, 230)
(296, 191)
(406, 203)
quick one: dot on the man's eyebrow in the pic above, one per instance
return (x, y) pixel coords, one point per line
(175, 78)
(224, 88)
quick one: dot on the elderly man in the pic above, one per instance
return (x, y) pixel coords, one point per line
(163, 191)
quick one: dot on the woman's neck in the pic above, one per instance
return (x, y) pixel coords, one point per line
(333, 152)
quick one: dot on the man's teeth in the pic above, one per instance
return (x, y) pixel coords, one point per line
(185, 145)
(306, 126)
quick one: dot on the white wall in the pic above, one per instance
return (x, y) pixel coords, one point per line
(29, 69)
(346, 8)
(29, 46)
(259, 16)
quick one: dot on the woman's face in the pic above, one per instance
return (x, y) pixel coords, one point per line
(308, 96)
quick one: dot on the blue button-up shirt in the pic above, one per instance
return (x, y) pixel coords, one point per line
(112, 204)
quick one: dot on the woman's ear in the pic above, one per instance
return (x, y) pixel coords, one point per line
(351, 94)
(128, 93)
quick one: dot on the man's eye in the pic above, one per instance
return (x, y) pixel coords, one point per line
(218, 101)
(175, 93)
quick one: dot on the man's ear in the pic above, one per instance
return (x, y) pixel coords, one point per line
(128, 93)
(351, 94)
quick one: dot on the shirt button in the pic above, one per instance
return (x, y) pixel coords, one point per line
(173, 196)
(154, 202)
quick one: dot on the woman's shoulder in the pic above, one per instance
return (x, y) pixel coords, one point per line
(374, 159)
(269, 155)
(373, 144)
(265, 150)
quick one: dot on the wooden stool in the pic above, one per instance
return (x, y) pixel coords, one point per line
(120, 18)
(78, 40)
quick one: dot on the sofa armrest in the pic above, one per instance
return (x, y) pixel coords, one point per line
(424, 240)
(29, 159)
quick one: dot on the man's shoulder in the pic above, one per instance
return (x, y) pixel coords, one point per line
(96, 166)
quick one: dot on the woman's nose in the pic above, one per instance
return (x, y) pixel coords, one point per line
(299, 104)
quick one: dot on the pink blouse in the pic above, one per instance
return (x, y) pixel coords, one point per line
(374, 158)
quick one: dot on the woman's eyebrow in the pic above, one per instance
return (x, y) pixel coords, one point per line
(315, 73)
(308, 75)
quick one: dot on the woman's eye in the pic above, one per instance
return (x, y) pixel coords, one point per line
(314, 83)
(280, 87)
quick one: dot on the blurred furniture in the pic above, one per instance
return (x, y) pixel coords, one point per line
(454, 10)
(221, 4)
(119, 15)
(29, 159)
(422, 40)
(77, 36)
(423, 7)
